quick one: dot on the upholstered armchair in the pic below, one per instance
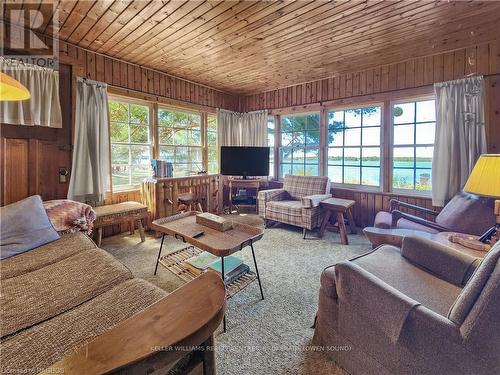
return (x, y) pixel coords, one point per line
(422, 309)
(465, 213)
(297, 203)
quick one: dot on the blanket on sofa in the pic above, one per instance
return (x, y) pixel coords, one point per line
(69, 216)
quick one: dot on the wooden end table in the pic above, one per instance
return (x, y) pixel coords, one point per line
(250, 183)
(184, 226)
(337, 207)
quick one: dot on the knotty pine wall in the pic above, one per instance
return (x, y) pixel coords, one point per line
(385, 83)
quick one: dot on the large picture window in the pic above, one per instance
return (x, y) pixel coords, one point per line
(300, 139)
(354, 146)
(414, 127)
(212, 146)
(130, 143)
(179, 136)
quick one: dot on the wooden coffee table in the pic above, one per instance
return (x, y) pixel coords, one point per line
(394, 236)
(337, 207)
(183, 227)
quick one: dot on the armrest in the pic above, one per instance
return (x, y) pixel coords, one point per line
(395, 204)
(440, 260)
(396, 215)
(272, 195)
(311, 201)
(185, 318)
(383, 305)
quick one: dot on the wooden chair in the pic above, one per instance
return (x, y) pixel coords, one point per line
(190, 201)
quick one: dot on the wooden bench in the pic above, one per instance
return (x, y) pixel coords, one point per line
(126, 212)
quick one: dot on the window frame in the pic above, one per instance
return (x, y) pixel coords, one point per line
(326, 147)
(204, 137)
(150, 144)
(390, 167)
(201, 147)
(279, 134)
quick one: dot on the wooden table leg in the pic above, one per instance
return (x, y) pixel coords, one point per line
(342, 230)
(209, 356)
(352, 224)
(99, 236)
(141, 230)
(324, 223)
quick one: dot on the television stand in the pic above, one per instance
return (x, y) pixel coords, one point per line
(244, 183)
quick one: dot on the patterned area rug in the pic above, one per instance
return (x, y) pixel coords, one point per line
(272, 336)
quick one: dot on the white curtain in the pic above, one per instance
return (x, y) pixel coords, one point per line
(460, 135)
(90, 171)
(43, 108)
(242, 129)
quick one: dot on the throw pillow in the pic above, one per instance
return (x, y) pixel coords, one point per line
(24, 225)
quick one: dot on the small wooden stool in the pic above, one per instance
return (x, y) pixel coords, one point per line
(126, 212)
(339, 207)
(191, 201)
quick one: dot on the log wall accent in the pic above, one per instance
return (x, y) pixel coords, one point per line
(161, 194)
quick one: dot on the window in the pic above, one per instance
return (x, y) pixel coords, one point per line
(179, 136)
(130, 143)
(354, 146)
(300, 145)
(213, 150)
(414, 126)
(271, 143)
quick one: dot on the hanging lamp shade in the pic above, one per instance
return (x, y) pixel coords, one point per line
(12, 90)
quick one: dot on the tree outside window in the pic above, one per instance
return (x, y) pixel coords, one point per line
(354, 146)
(300, 144)
(130, 143)
(179, 135)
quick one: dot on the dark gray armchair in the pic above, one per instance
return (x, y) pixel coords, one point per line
(424, 309)
(465, 213)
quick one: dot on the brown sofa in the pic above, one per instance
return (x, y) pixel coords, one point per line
(69, 293)
(416, 310)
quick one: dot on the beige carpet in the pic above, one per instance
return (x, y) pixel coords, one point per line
(270, 336)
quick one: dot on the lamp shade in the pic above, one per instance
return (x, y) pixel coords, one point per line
(484, 179)
(12, 90)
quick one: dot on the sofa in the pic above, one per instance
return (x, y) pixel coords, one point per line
(62, 301)
(297, 203)
(464, 213)
(421, 309)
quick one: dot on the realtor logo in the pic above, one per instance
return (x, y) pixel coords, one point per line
(29, 31)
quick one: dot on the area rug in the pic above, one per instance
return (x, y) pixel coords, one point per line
(270, 336)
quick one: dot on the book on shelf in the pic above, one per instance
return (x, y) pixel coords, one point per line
(233, 267)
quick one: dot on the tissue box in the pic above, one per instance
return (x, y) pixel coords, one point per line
(214, 221)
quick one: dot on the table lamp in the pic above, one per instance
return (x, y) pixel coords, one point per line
(484, 180)
(12, 90)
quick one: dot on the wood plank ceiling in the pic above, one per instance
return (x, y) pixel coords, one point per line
(251, 46)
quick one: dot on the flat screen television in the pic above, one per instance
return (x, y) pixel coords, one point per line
(244, 161)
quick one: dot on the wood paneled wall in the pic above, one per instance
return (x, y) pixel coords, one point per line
(30, 156)
(482, 59)
(122, 74)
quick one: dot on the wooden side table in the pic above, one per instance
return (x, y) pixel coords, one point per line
(337, 207)
(243, 184)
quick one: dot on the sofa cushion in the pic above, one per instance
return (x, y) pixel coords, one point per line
(387, 264)
(384, 220)
(68, 245)
(24, 226)
(301, 186)
(467, 213)
(33, 297)
(287, 208)
(42, 345)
